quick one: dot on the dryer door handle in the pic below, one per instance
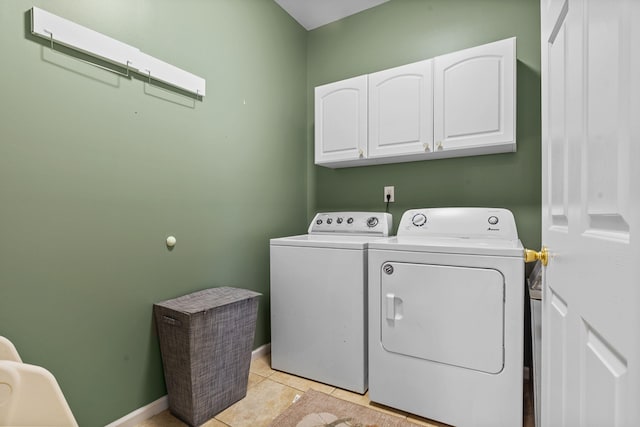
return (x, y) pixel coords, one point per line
(391, 307)
(394, 307)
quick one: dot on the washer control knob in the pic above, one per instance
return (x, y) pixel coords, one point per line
(319, 221)
(329, 221)
(493, 220)
(419, 219)
(339, 220)
(349, 220)
(372, 222)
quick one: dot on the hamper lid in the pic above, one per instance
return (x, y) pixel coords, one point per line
(208, 299)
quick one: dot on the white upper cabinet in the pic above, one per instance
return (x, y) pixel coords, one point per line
(341, 121)
(474, 98)
(401, 110)
(459, 104)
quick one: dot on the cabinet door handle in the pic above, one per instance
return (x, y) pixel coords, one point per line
(360, 153)
(427, 147)
(440, 146)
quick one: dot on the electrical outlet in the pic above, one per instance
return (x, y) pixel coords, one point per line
(389, 191)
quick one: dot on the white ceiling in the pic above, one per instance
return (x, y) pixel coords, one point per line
(316, 13)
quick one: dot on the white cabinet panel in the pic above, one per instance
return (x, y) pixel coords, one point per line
(341, 120)
(474, 98)
(401, 110)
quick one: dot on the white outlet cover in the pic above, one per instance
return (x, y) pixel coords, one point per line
(389, 190)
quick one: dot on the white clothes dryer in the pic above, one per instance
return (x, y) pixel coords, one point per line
(446, 315)
(319, 298)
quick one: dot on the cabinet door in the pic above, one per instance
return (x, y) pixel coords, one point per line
(474, 98)
(401, 110)
(341, 120)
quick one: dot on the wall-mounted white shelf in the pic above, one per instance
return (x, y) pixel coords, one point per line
(69, 34)
(169, 74)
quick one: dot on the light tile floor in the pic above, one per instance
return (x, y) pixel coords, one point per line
(270, 392)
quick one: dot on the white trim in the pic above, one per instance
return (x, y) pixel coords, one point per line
(141, 414)
(261, 351)
(155, 407)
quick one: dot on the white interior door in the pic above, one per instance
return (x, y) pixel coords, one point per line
(591, 212)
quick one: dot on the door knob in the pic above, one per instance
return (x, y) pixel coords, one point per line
(531, 256)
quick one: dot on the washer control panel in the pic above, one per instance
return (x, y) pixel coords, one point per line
(459, 222)
(365, 223)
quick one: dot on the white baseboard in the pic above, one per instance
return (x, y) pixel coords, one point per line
(157, 406)
(261, 351)
(141, 414)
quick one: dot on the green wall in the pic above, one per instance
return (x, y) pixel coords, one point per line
(97, 170)
(405, 31)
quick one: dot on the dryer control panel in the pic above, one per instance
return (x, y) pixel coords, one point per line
(364, 223)
(469, 223)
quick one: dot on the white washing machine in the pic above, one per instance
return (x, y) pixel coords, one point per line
(446, 317)
(319, 298)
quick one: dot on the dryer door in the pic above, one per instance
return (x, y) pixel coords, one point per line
(445, 314)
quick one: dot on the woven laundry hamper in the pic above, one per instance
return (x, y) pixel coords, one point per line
(206, 340)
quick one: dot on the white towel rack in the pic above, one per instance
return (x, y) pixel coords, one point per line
(67, 33)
